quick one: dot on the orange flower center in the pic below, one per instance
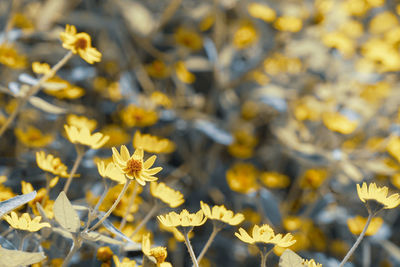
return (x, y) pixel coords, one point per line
(81, 43)
(133, 166)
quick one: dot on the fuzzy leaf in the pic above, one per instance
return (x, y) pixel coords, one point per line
(15, 202)
(65, 214)
(94, 236)
(13, 258)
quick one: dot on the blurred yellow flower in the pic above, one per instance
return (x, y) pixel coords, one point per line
(126, 262)
(25, 222)
(188, 38)
(157, 69)
(161, 99)
(40, 68)
(383, 22)
(242, 178)
(341, 42)
(274, 180)
(166, 194)
(33, 137)
(9, 56)
(221, 214)
(159, 253)
(19, 20)
(104, 254)
(393, 147)
(261, 11)
(395, 180)
(311, 263)
(355, 7)
(134, 167)
(152, 144)
(137, 116)
(265, 235)
(80, 43)
(313, 178)
(118, 136)
(183, 73)
(288, 24)
(51, 164)
(84, 137)
(357, 224)
(352, 28)
(81, 122)
(337, 122)
(243, 144)
(184, 219)
(245, 35)
(376, 198)
(61, 89)
(111, 171)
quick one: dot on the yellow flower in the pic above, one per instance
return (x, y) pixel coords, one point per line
(383, 22)
(104, 254)
(25, 222)
(84, 137)
(126, 262)
(81, 122)
(337, 122)
(21, 21)
(264, 235)
(61, 89)
(161, 99)
(183, 73)
(288, 24)
(117, 135)
(220, 213)
(393, 147)
(243, 144)
(51, 164)
(9, 56)
(261, 11)
(80, 43)
(33, 137)
(40, 68)
(157, 69)
(356, 225)
(152, 144)
(166, 194)
(341, 42)
(159, 253)
(245, 35)
(188, 38)
(376, 198)
(184, 219)
(274, 180)
(242, 178)
(137, 116)
(313, 178)
(311, 263)
(111, 171)
(134, 167)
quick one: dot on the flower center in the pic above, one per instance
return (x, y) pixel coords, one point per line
(133, 166)
(81, 43)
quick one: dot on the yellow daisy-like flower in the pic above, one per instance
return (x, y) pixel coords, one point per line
(33, 137)
(357, 224)
(134, 167)
(188, 38)
(83, 136)
(25, 222)
(183, 73)
(137, 116)
(274, 180)
(222, 214)
(264, 235)
(51, 164)
(242, 178)
(337, 122)
(80, 43)
(161, 99)
(245, 35)
(126, 262)
(152, 144)
(111, 171)
(183, 220)
(376, 198)
(261, 11)
(104, 254)
(81, 122)
(288, 24)
(157, 69)
(166, 194)
(10, 57)
(159, 253)
(311, 263)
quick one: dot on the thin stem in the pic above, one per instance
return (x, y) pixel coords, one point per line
(96, 208)
(359, 239)
(145, 220)
(74, 248)
(263, 260)
(34, 90)
(112, 207)
(131, 201)
(209, 241)
(74, 168)
(189, 247)
(23, 238)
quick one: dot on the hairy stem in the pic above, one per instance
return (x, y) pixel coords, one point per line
(190, 249)
(74, 168)
(358, 241)
(112, 207)
(209, 241)
(131, 201)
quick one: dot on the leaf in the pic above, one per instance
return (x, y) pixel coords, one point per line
(64, 233)
(15, 202)
(13, 258)
(94, 236)
(290, 259)
(65, 214)
(45, 106)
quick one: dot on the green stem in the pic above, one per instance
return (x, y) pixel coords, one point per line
(145, 220)
(131, 201)
(358, 241)
(190, 249)
(112, 207)
(78, 160)
(209, 241)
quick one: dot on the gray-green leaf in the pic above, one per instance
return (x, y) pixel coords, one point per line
(65, 214)
(13, 258)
